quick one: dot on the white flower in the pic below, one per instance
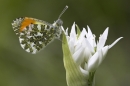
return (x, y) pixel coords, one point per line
(86, 52)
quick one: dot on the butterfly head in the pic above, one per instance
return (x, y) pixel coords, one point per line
(59, 22)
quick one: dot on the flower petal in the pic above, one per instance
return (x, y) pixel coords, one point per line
(102, 39)
(88, 45)
(66, 31)
(81, 36)
(102, 54)
(89, 32)
(93, 62)
(85, 73)
(87, 54)
(63, 29)
(71, 45)
(73, 32)
(110, 46)
(78, 56)
(90, 36)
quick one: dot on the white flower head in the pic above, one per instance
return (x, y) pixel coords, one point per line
(85, 51)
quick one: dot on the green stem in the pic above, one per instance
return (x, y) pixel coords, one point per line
(91, 80)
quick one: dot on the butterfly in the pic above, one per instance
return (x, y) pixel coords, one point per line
(35, 34)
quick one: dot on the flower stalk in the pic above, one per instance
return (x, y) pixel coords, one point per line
(91, 79)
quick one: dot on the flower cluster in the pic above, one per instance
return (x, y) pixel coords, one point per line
(87, 54)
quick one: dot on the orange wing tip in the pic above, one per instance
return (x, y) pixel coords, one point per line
(26, 22)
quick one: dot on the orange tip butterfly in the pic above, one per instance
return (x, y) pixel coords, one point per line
(35, 34)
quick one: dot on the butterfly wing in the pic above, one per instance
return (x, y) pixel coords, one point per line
(33, 34)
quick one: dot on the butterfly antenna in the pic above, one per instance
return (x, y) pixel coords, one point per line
(66, 7)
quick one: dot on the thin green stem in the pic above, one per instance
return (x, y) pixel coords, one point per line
(91, 79)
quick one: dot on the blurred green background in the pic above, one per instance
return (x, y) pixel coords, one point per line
(19, 68)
